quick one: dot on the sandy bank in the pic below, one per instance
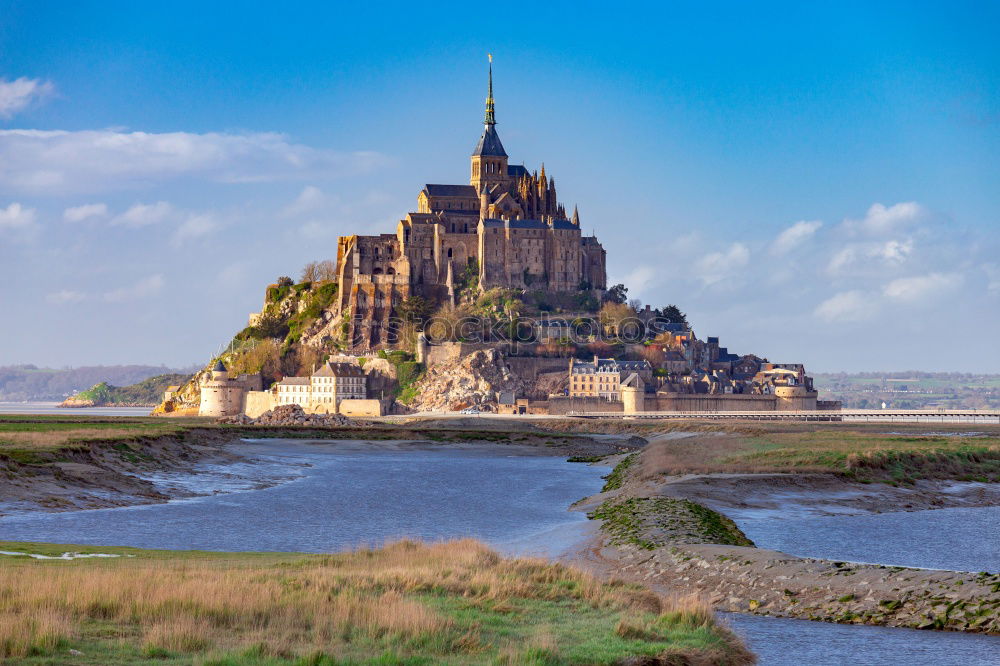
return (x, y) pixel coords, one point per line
(650, 534)
(99, 474)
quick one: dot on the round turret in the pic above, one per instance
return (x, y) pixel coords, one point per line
(219, 371)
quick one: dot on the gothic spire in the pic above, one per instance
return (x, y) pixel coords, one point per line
(489, 143)
(490, 118)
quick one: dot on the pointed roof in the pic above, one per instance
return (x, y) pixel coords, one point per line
(489, 143)
(219, 367)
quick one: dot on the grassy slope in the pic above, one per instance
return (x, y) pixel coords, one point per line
(147, 392)
(31, 438)
(891, 453)
(407, 603)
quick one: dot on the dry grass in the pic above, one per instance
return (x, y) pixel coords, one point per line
(418, 599)
(41, 434)
(888, 452)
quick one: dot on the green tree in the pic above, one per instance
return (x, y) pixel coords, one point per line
(617, 293)
(673, 314)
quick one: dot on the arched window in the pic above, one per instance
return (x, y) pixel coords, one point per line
(449, 253)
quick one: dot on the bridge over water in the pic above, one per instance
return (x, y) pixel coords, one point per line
(970, 416)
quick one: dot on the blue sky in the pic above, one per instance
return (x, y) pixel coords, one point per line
(814, 184)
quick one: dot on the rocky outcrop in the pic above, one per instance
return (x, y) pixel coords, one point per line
(473, 381)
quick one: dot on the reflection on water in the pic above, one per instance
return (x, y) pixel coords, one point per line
(961, 539)
(787, 642)
(349, 496)
(340, 496)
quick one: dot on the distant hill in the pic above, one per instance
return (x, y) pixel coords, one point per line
(147, 393)
(29, 382)
(910, 389)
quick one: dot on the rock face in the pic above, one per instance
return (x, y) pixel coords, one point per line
(474, 381)
(293, 415)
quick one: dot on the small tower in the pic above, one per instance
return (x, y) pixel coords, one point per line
(489, 160)
(219, 371)
(576, 217)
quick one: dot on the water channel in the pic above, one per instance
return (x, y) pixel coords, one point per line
(337, 495)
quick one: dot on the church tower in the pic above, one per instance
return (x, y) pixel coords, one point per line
(489, 160)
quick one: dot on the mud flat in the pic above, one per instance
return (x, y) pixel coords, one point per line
(670, 531)
(74, 464)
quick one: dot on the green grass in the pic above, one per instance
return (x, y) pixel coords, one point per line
(32, 439)
(652, 522)
(616, 478)
(876, 457)
(293, 609)
(891, 453)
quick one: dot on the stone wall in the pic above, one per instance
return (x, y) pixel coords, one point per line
(258, 402)
(701, 402)
(453, 352)
(562, 405)
(355, 407)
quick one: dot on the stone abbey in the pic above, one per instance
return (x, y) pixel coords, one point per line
(506, 228)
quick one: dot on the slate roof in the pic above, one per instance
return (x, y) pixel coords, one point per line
(489, 144)
(437, 190)
(219, 367)
(295, 381)
(516, 170)
(339, 370)
(528, 224)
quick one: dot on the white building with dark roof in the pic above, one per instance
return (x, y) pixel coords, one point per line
(327, 387)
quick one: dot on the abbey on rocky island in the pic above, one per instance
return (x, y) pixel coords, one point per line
(506, 228)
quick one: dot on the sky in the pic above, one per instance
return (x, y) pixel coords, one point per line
(812, 182)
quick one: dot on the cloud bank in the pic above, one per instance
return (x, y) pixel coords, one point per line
(57, 162)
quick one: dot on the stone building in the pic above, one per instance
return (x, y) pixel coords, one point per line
(325, 389)
(506, 228)
(222, 395)
(602, 377)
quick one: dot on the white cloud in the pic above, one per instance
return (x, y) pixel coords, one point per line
(141, 289)
(886, 220)
(61, 162)
(310, 199)
(16, 95)
(922, 287)
(141, 215)
(639, 280)
(717, 266)
(847, 306)
(794, 236)
(195, 226)
(64, 296)
(894, 251)
(80, 213)
(853, 256)
(16, 216)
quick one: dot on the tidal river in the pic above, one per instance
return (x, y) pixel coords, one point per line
(336, 495)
